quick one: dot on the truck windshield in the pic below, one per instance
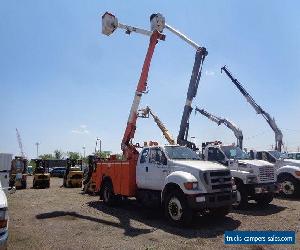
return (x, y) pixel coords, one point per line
(181, 153)
(233, 152)
(276, 154)
(298, 156)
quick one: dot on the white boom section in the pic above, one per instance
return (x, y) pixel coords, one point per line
(20, 144)
(234, 128)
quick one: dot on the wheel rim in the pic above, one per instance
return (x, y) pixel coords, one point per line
(175, 209)
(288, 187)
(238, 198)
(106, 194)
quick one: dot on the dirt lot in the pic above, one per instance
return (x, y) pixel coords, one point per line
(60, 218)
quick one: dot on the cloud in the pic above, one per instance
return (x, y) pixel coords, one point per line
(81, 130)
(209, 73)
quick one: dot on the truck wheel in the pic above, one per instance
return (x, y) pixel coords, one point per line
(219, 212)
(176, 208)
(108, 194)
(264, 199)
(241, 197)
(290, 187)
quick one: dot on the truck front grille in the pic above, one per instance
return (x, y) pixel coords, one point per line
(220, 181)
(266, 174)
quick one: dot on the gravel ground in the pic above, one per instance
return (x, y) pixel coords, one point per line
(60, 218)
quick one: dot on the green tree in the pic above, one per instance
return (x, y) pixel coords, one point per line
(58, 154)
(73, 155)
(46, 156)
(103, 154)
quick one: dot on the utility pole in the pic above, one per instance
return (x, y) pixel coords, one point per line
(83, 151)
(37, 149)
(100, 145)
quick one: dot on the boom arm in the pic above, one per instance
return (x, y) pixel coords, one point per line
(201, 53)
(145, 114)
(20, 143)
(182, 138)
(258, 109)
(235, 129)
(109, 25)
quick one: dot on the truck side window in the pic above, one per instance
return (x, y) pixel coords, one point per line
(144, 155)
(271, 158)
(220, 155)
(259, 155)
(157, 156)
(214, 154)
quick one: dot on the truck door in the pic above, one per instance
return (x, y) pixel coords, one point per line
(142, 168)
(157, 169)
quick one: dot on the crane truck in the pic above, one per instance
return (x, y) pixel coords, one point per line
(287, 170)
(255, 179)
(288, 173)
(170, 176)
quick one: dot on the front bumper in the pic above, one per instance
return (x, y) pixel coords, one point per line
(211, 200)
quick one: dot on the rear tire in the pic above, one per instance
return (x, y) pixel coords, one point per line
(290, 186)
(264, 199)
(176, 208)
(108, 195)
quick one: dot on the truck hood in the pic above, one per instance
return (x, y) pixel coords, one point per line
(3, 199)
(256, 163)
(291, 162)
(200, 165)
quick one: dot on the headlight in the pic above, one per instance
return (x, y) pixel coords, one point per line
(251, 179)
(191, 185)
(3, 217)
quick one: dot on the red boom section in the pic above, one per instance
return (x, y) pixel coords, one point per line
(129, 150)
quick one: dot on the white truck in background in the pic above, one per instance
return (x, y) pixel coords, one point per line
(5, 165)
(255, 179)
(287, 170)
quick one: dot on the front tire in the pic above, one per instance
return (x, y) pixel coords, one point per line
(241, 197)
(176, 208)
(290, 186)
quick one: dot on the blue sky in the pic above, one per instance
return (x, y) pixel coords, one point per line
(63, 83)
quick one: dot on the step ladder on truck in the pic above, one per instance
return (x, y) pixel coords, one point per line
(171, 176)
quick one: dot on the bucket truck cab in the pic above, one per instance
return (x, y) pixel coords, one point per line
(173, 177)
(255, 179)
(287, 171)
